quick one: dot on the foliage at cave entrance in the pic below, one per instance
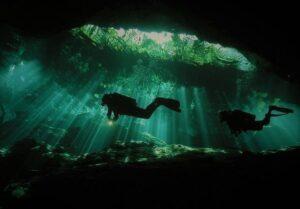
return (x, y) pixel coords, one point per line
(166, 46)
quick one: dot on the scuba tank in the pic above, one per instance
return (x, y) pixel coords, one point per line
(243, 116)
(122, 99)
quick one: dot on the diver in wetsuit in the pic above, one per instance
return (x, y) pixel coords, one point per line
(239, 121)
(123, 105)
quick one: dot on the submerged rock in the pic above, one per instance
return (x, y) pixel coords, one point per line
(17, 190)
(35, 172)
(30, 158)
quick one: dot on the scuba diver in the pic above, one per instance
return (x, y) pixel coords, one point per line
(123, 105)
(239, 121)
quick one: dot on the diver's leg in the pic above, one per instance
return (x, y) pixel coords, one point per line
(258, 125)
(145, 113)
(266, 119)
(169, 103)
(151, 108)
(269, 114)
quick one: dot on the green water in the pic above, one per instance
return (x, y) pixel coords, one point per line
(51, 90)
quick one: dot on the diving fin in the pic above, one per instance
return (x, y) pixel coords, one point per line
(281, 109)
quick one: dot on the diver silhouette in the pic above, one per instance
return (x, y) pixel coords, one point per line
(239, 121)
(119, 104)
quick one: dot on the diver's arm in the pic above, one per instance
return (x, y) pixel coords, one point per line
(109, 113)
(116, 116)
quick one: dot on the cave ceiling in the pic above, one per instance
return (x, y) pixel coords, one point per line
(266, 30)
